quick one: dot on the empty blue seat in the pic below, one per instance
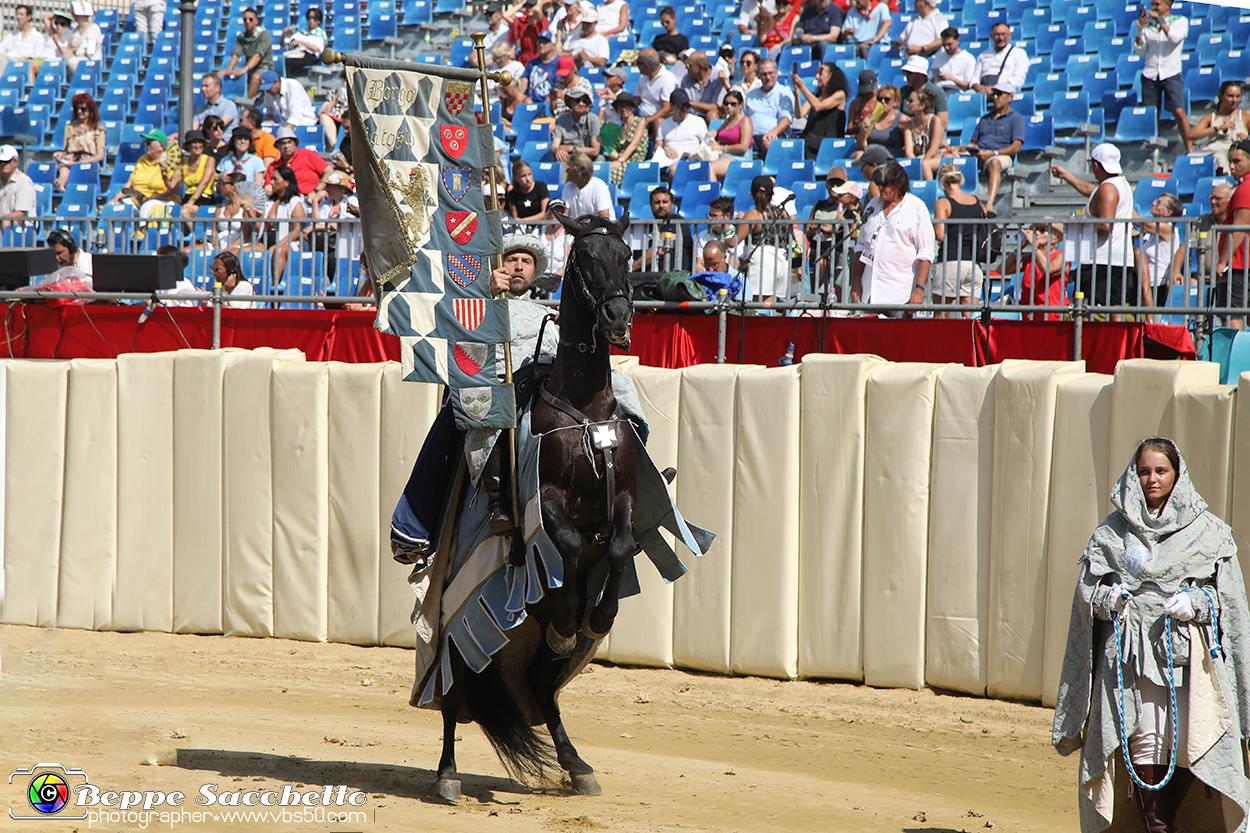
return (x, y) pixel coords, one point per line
(41, 171)
(636, 175)
(964, 108)
(1128, 69)
(1137, 124)
(1039, 133)
(1078, 67)
(780, 152)
(1187, 171)
(806, 195)
(833, 151)
(739, 175)
(382, 26)
(1114, 102)
(86, 173)
(1046, 87)
(793, 172)
(687, 172)
(696, 198)
(1210, 46)
(927, 190)
(311, 136)
(1069, 112)
(548, 173)
(1203, 83)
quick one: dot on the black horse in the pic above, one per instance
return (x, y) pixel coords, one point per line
(587, 490)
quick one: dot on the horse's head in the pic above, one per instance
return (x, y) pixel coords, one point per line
(598, 272)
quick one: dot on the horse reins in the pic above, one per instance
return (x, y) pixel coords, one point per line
(584, 290)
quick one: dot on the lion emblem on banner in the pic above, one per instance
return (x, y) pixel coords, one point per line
(416, 192)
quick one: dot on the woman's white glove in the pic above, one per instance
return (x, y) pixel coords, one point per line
(1179, 607)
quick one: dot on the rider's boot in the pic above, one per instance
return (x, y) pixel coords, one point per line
(498, 499)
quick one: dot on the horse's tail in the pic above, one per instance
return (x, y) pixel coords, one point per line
(523, 752)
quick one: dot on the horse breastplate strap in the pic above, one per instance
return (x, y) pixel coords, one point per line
(596, 436)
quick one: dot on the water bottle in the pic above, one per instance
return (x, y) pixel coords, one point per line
(788, 358)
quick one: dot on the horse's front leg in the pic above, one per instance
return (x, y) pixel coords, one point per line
(448, 784)
(543, 674)
(562, 629)
(621, 548)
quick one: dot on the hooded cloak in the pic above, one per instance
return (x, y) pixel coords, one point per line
(1184, 548)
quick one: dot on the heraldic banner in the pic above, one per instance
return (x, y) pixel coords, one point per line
(428, 238)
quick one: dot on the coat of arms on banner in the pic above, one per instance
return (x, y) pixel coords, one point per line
(476, 402)
(457, 181)
(457, 95)
(471, 357)
(470, 312)
(461, 225)
(455, 139)
(464, 269)
(416, 193)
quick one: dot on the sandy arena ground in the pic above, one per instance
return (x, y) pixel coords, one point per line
(673, 750)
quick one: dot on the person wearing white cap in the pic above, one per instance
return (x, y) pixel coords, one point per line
(1103, 252)
(916, 71)
(17, 191)
(309, 167)
(588, 47)
(996, 139)
(923, 35)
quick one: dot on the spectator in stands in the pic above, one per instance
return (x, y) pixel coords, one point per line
(662, 255)
(85, 42)
(216, 143)
(996, 139)
(56, 34)
(588, 47)
(1159, 254)
(264, 144)
(928, 133)
(286, 203)
(67, 252)
(309, 167)
(773, 30)
(1103, 251)
(672, 43)
(613, 85)
(923, 35)
(527, 197)
(750, 79)
(704, 91)
(1159, 40)
(287, 101)
(240, 197)
(243, 158)
(584, 193)
(527, 23)
(823, 109)
(872, 157)
(821, 23)
(957, 276)
(227, 272)
(916, 71)
(496, 32)
(1203, 239)
(555, 239)
(769, 107)
(503, 59)
(577, 130)
(953, 69)
(26, 43)
(1006, 62)
(769, 244)
(820, 233)
(886, 127)
(199, 170)
(865, 25)
(613, 18)
(1043, 274)
(304, 46)
(333, 200)
(896, 245)
(332, 114)
(680, 134)
(1216, 132)
(149, 18)
(734, 137)
(750, 11)
(718, 230)
(712, 258)
(655, 84)
(149, 181)
(861, 107)
(83, 140)
(254, 46)
(632, 144)
(568, 83)
(215, 104)
(1233, 266)
(17, 191)
(539, 78)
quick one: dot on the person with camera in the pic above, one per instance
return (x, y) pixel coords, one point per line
(1160, 39)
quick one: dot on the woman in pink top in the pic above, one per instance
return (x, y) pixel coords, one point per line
(733, 136)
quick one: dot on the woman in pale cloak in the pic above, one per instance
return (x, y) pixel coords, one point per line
(1157, 660)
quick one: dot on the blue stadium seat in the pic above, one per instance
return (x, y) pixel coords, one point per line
(927, 190)
(1032, 20)
(833, 151)
(1235, 62)
(790, 56)
(311, 136)
(382, 26)
(1114, 102)
(1238, 30)
(692, 26)
(987, 20)
(1098, 83)
(1128, 69)
(43, 199)
(1186, 173)
(255, 267)
(739, 176)
(697, 197)
(636, 175)
(743, 201)
(911, 166)
(305, 278)
(687, 172)
(540, 132)
(534, 152)
(780, 152)
(1137, 124)
(618, 44)
(1110, 50)
(86, 173)
(964, 108)
(121, 175)
(1147, 191)
(416, 12)
(1039, 133)
(1210, 46)
(1047, 37)
(1075, 16)
(1078, 67)
(1046, 87)
(807, 194)
(1064, 50)
(1096, 30)
(1069, 112)
(41, 171)
(549, 173)
(460, 51)
(1203, 83)
(794, 172)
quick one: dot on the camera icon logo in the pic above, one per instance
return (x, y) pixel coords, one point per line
(48, 791)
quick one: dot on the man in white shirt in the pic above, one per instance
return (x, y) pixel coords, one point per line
(1160, 39)
(770, 106)
(896, 245)
(1005, 62)
(585, 193)
(751, 8)
(680, 133)
(654, 87)
(953, 68)
(24, 44)
(589, 47)
(497, 33)
(287, 102)
(923, 36)
(17, 191)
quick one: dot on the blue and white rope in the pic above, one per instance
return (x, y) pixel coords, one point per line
(1215, 647)
(1119, 673)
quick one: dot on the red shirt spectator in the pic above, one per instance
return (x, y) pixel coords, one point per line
(308, 166)
(524, 31)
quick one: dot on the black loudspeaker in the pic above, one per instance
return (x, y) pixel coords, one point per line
(18, 265)
(134, 273)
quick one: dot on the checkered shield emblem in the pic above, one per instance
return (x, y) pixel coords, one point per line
(458, 94)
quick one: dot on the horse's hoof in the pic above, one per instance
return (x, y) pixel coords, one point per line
(586, 784)
(448, 789)
(560, 644)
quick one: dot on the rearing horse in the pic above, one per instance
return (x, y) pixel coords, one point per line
(587, 490)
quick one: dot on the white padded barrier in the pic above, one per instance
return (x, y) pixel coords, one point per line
(896, 523)
(832, 434)
(89, 518)
(1079, 482)
(299, 395)
(35, 400)
(1203, 420)
(247, 493)
(1024, 422)
(643, 633)
(408, 411)
(198, 469)
(960, 502)
(764, 629)
(705, 494)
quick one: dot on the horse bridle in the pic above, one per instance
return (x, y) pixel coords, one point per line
(584, 290)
